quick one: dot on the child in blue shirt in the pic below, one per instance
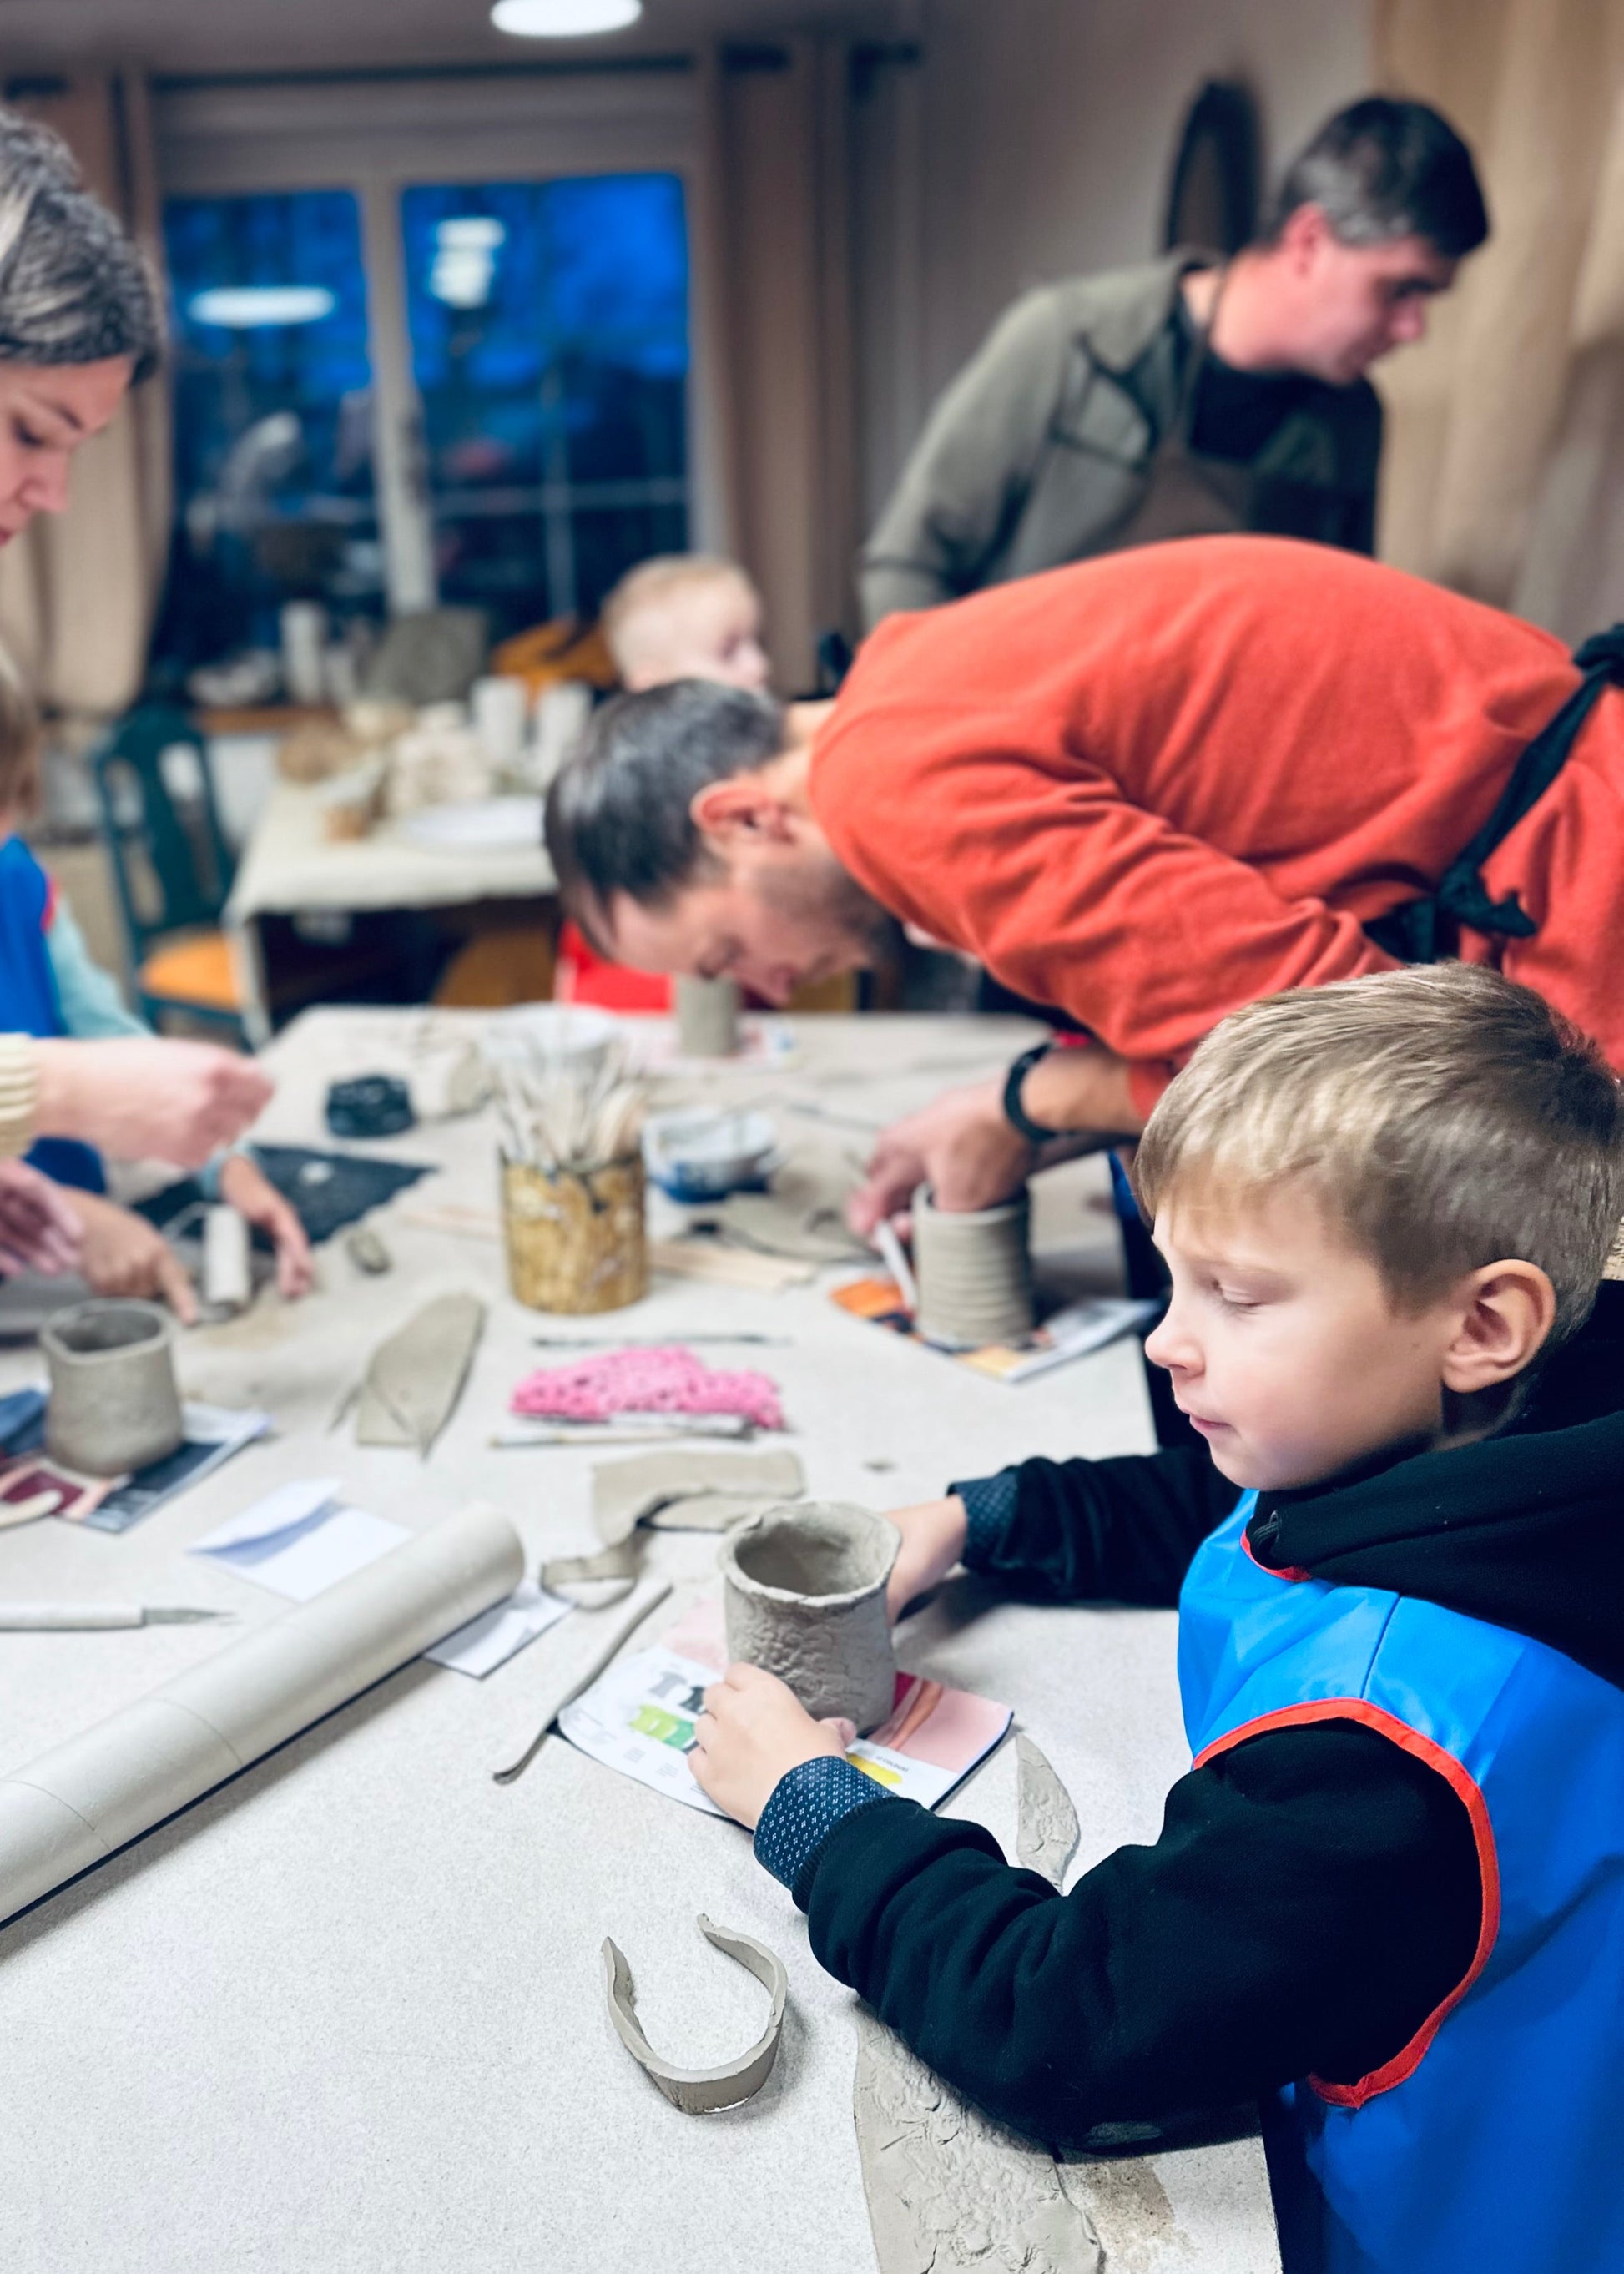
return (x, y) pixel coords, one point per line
(49, 987)
(1389, 1898)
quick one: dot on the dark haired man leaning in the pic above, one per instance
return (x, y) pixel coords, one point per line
(1181, 398)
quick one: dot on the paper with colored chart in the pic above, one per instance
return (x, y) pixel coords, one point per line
(639, 1717)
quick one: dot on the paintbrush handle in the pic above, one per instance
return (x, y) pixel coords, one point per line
(43, 1618)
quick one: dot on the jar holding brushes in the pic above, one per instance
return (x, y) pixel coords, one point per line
(572, 1183)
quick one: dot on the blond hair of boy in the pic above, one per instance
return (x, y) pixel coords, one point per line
(686, 615)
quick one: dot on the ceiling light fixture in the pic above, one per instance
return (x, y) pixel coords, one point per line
(563, 20)
(249, 307)
(465, 261)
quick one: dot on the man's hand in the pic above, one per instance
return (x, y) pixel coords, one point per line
(140, 1098)
(963, 1149)
(933, 1539)
(244, 1187)
(39, 1232)
(753, 1731)
(123, 1255)
(960, 1145)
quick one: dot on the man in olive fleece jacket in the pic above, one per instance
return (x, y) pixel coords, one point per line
(1046, 446)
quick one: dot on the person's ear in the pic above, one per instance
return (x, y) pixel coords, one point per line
(1304, 235)
(741, 808)
(1507, 1310)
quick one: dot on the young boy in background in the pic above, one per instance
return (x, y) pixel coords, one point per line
(1388, 1898)
(686, 615)
(49, 986)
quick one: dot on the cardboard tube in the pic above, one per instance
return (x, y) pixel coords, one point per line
(77, 1803)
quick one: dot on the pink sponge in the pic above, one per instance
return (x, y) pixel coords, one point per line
(669, 1380)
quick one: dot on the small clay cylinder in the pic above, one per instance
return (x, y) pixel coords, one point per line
(706, 1018)
(114, 1404)
(975, 1272)
(804, 1592)
(574, 1241)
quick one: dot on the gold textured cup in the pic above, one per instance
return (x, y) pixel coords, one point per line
(576, 1241)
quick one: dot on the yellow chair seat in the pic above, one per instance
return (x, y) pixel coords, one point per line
(193, 970)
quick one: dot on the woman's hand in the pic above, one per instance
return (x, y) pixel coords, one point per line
(39, 1232)
(123, 1255)
(933, 1539)
(244, 1187)
(140, 1098)
(753, 1731)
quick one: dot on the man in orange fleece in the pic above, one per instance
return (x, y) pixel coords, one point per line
(1144, 790)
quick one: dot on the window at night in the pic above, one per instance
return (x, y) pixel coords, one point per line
(549, 343)
(272, 377)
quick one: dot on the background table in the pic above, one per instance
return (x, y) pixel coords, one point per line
(290, 868)
(348, 2013)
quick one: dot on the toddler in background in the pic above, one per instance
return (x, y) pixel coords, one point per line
(686, 615)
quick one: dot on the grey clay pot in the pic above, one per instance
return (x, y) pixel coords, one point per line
(114, 1404)
(804, 1592)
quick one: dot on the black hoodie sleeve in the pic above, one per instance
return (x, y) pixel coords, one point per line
(1313, 1896)
(1121, 1530)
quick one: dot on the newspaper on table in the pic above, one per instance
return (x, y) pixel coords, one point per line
(33, 1485)
(1068, 1334)
(639, 1717)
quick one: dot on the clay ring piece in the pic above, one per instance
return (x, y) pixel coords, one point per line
(699, 2091)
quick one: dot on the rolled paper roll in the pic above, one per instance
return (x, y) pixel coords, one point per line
(79, 1804)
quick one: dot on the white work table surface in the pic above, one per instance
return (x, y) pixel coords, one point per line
(290, 866)
(346, 2015)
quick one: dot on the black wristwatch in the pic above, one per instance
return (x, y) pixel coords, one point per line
(1014, 1112)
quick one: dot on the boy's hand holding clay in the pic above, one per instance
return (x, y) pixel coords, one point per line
(753, 1731)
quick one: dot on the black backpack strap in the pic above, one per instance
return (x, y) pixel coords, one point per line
(1412, 933)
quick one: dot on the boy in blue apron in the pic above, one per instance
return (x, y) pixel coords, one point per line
(1388, 1898)
(49, 987)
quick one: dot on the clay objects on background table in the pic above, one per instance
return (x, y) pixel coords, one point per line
(975, 1272)
(804, 1592)
(114, 1404)
(707, 1017)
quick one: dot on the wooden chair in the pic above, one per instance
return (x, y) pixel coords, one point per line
(171, 866)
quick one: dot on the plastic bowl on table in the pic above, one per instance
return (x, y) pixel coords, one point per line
(702, 1153)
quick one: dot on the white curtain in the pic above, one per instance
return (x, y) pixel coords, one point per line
(1504, 471)
(777, 322)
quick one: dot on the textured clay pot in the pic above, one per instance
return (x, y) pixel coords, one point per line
(804, 1590)
(114, 1404)
(975, 1272)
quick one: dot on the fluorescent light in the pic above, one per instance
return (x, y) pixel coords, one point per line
(563, 20)
(245, 307)
(480, 232)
